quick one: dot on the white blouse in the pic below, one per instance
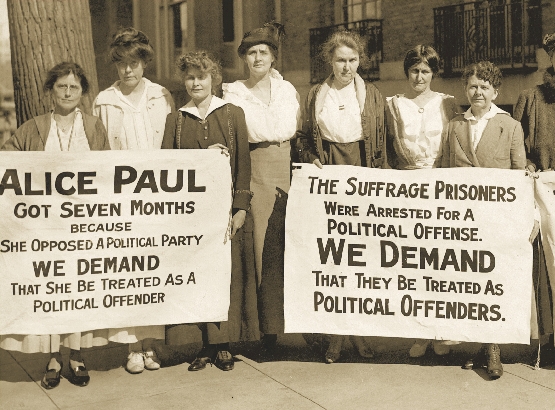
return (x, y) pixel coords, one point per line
(136, 130)
(73, 139)
(422, 127)
(339, 120)
(275, 122)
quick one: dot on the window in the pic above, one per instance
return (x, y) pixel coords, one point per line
(180, 37)
(355, 10)
(227, 21)
(506, 32)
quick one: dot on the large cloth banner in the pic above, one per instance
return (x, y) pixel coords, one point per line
(113, 239)
(432, 254)
(545, 198)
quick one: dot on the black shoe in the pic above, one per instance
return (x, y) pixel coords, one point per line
(547, 355)
(199, 364)
(51, 377)
(80, 375)
(494, 366)
(269, 342)
(224, 361)
(476, 362)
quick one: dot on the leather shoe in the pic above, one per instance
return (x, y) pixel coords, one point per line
(199, 364)
(51, 377)
(224, 361)
(80, 375)
(494, 366)
(269, 342)
(476, 362)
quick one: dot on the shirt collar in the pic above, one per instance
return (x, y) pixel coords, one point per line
(493, 111)
(192, 109)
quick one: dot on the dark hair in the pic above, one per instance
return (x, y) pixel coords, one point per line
(202, 61)
(130, 43)
(63, 69)
(485, 71)
(348, 39)
(421, 54)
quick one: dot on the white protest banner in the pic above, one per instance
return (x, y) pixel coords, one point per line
(113, 239)
(545, 198)
(432, 254)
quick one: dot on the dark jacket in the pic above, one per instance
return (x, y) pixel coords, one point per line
(309, 139)
(535, 110)
(32, 135)
(227, 122)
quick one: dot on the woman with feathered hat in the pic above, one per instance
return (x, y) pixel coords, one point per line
(271, 107)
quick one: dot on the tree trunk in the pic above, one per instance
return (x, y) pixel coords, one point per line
(44, 33)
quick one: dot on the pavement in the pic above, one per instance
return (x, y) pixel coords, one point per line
(293, 378)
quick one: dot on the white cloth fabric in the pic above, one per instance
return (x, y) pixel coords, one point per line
(423, 127)
(73, 139)
(192, 109)
(340, 118)
(477, 126)
(131, 127)
(276, 122)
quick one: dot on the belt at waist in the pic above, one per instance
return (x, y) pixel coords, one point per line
(266, 144)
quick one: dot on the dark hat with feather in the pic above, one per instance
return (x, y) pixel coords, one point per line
(269, 34)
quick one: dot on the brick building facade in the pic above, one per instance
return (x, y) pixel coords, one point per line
(175, 26)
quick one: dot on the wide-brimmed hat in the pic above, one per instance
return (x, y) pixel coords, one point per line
(269, 34)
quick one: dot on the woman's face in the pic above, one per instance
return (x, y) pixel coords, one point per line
(198, 84)
(345, 63)
(130, 72)
(480, 94)
(420, 77)
(259, 59)
(67, 93)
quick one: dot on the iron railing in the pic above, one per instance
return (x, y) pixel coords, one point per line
(505, 32)
(371, 32)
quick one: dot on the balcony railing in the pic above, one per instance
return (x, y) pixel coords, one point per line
(505, 32)
(371, 33)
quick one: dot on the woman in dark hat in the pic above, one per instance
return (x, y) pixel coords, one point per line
(535, 110)
(272, 113)
(343, 124)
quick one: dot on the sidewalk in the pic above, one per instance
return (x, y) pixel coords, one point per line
(294, 379)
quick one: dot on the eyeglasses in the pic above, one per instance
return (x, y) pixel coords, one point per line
(71, 88)
(124, 64)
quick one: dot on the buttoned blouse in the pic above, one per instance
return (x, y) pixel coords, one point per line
(202, 132)
(74, 139)
(422, 127)
(274, 122)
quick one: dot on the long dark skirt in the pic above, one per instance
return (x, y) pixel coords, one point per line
(271, 286)
(542, 289)
(242, 324)
(351, 153)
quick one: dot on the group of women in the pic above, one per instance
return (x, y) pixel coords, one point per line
(258, 124)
